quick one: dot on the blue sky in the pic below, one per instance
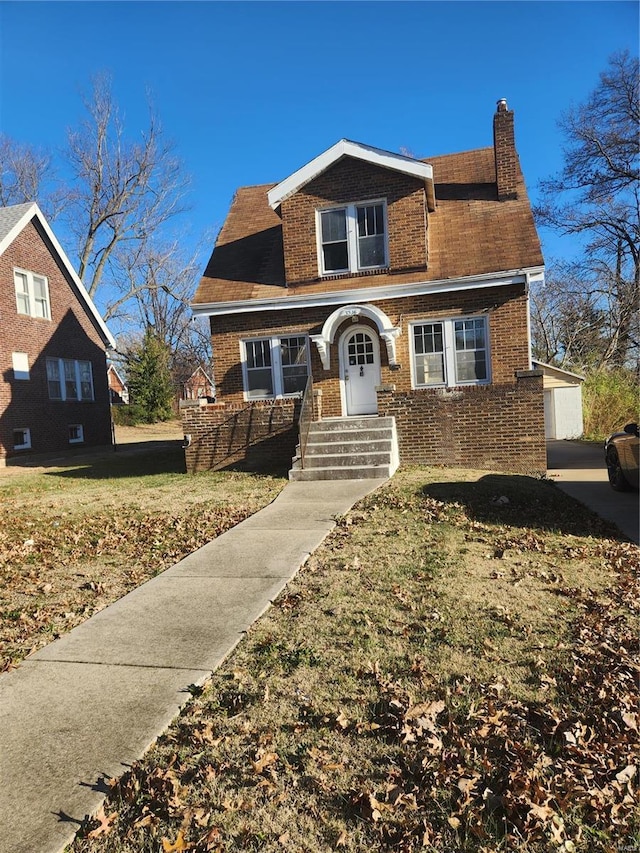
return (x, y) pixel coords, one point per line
(249, 92)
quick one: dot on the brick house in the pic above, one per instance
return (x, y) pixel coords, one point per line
(199, 386)
(400, 286)
(53, 377)
(118, 389)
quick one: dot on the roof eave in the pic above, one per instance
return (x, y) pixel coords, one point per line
(345, 148)
(370, 294)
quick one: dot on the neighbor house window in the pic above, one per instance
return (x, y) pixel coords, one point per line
(20, 364)
(275, 367)
(450, 352)
(76, 434)
(22, 439)
(32, 294)
(69, 379)
(352, 238)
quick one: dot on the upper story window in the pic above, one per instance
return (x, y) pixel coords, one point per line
(69, 379)
(450, 352)
(32, 294)
(275, 367)
(353, 238)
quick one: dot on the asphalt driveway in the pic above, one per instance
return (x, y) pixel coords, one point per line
(577, 467)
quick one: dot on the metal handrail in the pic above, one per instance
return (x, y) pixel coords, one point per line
(305, 419)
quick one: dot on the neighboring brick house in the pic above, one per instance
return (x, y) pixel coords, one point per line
(400, 285)
(53, 379)
(118, 390)
(199, 386)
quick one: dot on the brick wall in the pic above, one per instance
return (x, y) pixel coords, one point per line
(346, 182)
(69, 334)
(491, 427)
(506, 308)
(500, 425)
(257, 436)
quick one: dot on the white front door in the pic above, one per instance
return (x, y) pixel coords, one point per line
(360, 370)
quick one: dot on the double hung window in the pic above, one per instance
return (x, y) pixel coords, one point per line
(275, 367)
(69, 379)
(32, 294)
(450, 352)
(352, 238)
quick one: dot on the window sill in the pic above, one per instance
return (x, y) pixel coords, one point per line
(333, 276)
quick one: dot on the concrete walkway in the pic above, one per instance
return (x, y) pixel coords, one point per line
(577, 467)
(82, 709)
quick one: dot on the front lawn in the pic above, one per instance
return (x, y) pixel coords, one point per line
(75, 539)
(454, 669)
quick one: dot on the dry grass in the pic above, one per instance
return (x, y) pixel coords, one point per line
(435, 678)
(74, 539)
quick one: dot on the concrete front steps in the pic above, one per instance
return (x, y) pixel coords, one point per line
(348, 449)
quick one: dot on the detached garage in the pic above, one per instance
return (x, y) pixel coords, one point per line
(562, 402)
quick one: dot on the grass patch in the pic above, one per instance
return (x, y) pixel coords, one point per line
(451, 670)
(75, 539)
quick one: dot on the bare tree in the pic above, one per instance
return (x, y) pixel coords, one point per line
(22, 172)
(156, 282)
(568, 328)
(597, 195)
(123, 192)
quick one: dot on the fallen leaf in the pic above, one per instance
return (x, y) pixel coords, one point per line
(178, 845)
(105, 823)
(264, 761)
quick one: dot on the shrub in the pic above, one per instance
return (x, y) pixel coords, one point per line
(609, 400)
(126, 415)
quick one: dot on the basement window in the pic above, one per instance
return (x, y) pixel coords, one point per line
(352, 238)
(275, 367)
(76, 434)
(22, 439)
(450, 352)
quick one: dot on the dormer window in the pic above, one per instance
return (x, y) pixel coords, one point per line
(352, 238)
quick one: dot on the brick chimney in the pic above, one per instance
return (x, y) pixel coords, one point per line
(504, 147)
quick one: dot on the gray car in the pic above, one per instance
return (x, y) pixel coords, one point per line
(621, 458)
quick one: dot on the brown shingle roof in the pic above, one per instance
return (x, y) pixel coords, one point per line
(470, 233)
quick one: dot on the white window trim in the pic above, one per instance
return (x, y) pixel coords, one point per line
(80, 439)
(276, 365)
(448, 331)
(352, 236)
(63, 385)
(31, 293)
(27, 444)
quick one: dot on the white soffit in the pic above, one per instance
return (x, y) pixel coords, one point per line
(346, 148)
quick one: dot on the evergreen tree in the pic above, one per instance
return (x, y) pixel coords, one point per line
(149, 375)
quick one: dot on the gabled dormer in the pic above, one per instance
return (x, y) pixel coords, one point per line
(352, 211)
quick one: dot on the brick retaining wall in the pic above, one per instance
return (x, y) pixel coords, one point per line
(490, 427)
(257, 436)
